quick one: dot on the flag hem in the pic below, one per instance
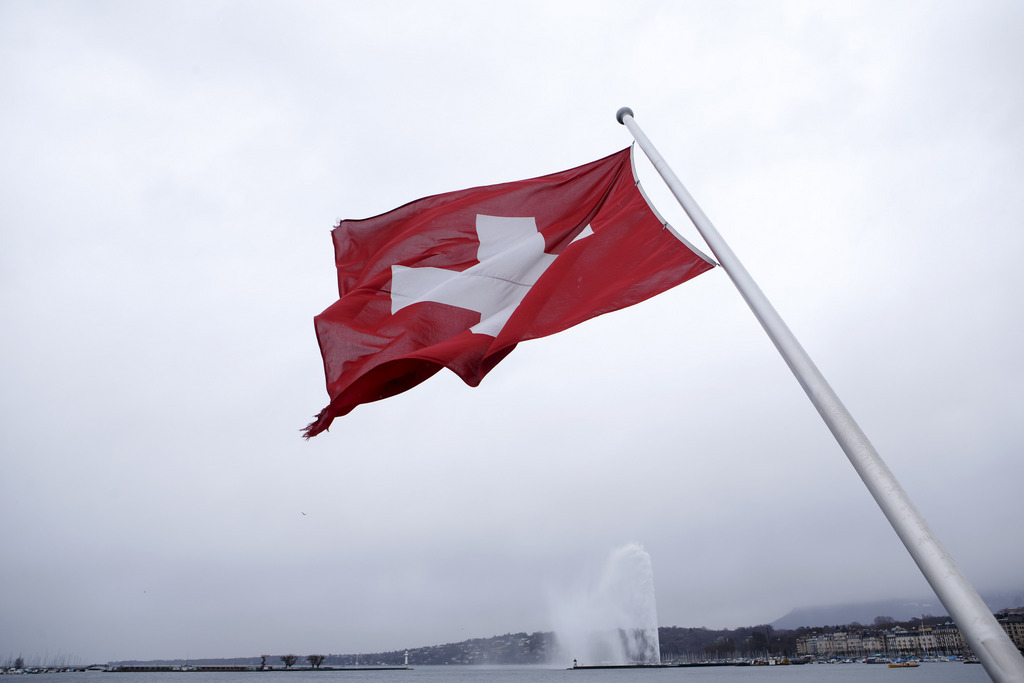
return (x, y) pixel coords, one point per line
(654, 210)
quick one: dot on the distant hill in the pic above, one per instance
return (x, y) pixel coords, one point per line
(900, 610)
(679, 643)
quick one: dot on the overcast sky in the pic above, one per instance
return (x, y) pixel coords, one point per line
(169, 177)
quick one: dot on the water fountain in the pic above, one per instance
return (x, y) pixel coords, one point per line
(612, 619)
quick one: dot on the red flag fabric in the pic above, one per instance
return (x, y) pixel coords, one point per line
(457, 280)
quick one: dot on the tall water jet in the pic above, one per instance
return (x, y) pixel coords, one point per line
(611, 619)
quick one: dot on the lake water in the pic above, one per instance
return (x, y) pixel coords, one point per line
(932, 672)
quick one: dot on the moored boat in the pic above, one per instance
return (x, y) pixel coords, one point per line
(903, 665)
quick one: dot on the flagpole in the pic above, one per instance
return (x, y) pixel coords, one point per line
(983, 633)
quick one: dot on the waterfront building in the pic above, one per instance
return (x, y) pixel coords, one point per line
(1012, 621)
(896, 642)
(900, 642)
(940, 640)
(949, 641)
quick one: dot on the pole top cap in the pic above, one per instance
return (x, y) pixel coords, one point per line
(622, 113)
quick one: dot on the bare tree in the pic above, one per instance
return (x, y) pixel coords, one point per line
(316, 660)
(289, 660)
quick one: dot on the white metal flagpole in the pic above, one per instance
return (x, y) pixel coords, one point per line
(983, 633)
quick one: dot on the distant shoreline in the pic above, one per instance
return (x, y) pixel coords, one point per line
(244, 669)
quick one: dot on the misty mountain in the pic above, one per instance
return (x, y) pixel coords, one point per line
(900, 610)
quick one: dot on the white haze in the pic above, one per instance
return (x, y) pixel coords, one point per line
(169, 177)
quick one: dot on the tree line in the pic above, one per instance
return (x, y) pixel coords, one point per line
(290, 660)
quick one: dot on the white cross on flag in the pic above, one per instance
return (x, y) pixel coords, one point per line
(457, 280)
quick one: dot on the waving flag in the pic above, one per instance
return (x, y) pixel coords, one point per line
(457, 280)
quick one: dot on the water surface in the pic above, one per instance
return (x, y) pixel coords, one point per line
(932, 672)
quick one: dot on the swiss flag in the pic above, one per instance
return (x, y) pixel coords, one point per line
(457, 280)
